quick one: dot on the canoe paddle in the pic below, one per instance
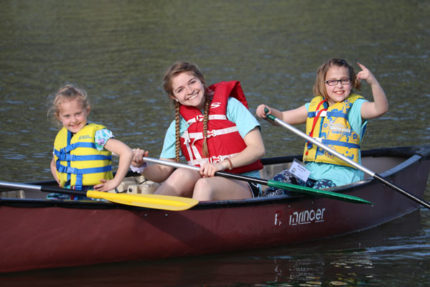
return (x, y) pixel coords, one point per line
(342, 157)
(271, 183)
(155, 201)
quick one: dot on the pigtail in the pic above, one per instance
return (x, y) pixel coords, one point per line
(205, 126)
(177, 131)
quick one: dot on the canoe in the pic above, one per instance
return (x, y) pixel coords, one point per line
(39, 233)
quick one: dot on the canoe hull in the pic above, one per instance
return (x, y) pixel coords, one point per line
(45, 234)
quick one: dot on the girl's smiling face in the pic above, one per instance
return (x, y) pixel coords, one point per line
(339, 92)
(73, 115)
(188, 90)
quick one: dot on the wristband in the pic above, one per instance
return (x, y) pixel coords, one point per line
(230, 164)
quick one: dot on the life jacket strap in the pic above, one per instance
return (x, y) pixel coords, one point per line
(309, 144)
(80, 172)
(338, 143)
(71, 147)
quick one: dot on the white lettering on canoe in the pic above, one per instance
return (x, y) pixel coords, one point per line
(278, 221)
(307, 216)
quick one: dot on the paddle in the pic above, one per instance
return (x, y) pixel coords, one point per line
(342, 157)
(271, 183)
(142, 200)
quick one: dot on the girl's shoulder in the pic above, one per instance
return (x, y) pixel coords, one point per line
(101, 137)
(171, 130)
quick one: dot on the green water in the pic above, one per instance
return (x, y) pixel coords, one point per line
(118, 51)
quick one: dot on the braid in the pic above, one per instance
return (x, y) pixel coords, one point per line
(205, 126)
(178, 142)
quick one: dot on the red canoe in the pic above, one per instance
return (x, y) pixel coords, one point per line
(39, 233)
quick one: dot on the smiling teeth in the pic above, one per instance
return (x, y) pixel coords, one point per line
(193, 96)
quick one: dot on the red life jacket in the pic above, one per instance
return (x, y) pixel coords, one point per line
(223, 138)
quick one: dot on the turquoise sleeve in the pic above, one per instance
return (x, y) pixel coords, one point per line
(241, 116)
(101, 137)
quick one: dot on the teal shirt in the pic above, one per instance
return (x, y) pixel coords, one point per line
(342, 175)
(236, 112)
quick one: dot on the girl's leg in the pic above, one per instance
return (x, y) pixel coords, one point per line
(179, 183)
(220, 188)
(323, 184)
(284, 176)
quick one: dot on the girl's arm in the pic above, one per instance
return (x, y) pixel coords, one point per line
(292, 117)
(379, 106)
(254, 150)
(54, 170)
(125, 156)
(156, 172)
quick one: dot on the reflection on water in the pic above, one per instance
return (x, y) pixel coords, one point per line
(118, 51)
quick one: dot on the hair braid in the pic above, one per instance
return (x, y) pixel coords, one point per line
(178, 141)
(205, 126)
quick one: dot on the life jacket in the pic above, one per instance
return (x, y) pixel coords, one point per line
(223, 138)
(330, 126)
(78, 162)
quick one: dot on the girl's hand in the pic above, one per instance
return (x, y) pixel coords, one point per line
(209, 169)
(138, 155)
(365, 74)
(105, 185)
(261, 113)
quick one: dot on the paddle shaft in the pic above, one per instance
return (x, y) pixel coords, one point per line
(271, 183)
(349, 161)
(195, 168)
(43, 188)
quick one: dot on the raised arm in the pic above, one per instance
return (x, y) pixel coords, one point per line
(379, 106)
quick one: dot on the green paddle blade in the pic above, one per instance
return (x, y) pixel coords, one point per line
(318, 192)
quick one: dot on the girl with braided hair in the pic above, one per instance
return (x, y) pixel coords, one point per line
(214, 130)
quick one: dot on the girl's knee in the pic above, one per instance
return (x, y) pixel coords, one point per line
(203, 190)
(182, 175)
(179, 183)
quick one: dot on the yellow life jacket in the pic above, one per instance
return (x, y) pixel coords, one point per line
(78, 162)
(330, 126)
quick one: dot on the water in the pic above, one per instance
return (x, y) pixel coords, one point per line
(118, 51)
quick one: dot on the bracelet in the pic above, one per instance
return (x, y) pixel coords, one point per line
(230, 164)
(138, 169)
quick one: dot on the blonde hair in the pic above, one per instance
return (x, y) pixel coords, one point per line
(319, 88)
(174, 70)
(68, 92)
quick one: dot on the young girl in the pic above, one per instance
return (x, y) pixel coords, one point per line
(82, 157)
(336, 115)
(213, 129)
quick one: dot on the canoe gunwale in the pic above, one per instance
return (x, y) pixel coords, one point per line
(411, 154)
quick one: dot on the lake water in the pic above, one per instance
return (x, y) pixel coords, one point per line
(119, 50)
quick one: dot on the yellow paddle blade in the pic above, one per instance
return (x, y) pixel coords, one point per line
(156, 201)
